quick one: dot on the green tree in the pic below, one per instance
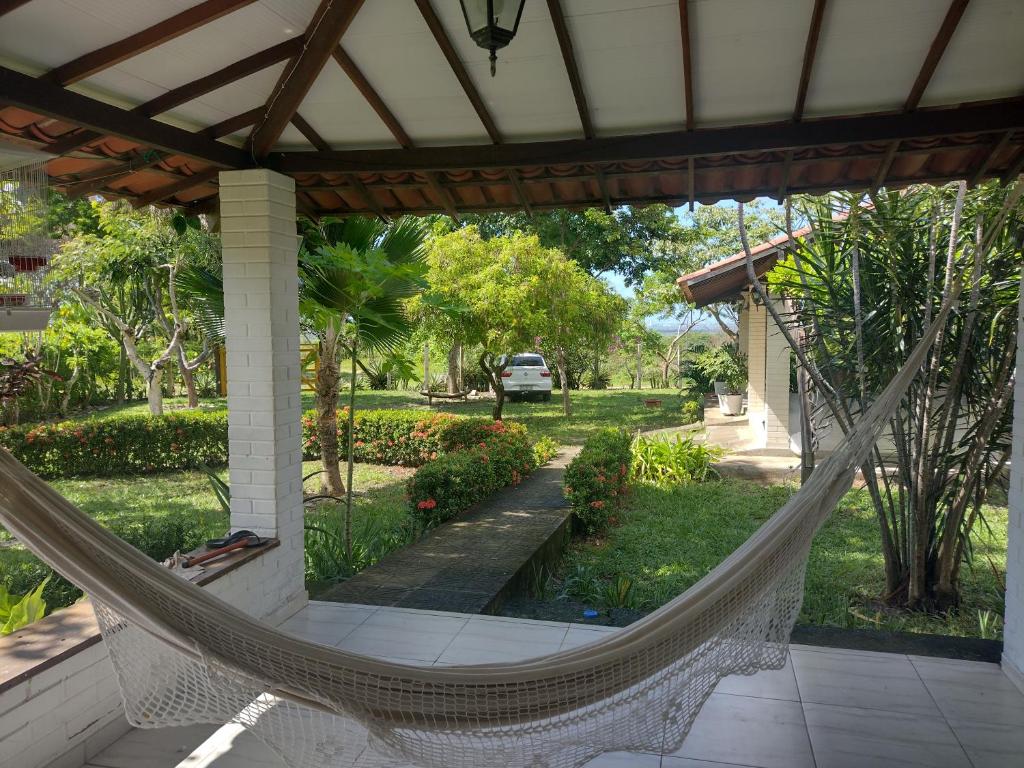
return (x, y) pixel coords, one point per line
(867, 283)
(356, 277)
(631, 241)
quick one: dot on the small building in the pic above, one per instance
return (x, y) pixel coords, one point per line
(772, 411)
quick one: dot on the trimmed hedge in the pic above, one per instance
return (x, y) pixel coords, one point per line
(455, 481)
(407, 438)
(597, 478)
(120, 445)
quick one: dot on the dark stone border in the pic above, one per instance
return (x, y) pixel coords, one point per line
(939, 646)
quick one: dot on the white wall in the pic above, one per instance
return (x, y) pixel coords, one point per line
(1013, 632)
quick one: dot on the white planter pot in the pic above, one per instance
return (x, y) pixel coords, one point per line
(731, 405)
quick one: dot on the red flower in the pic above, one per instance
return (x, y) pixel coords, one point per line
(426, 504)
(597, 504)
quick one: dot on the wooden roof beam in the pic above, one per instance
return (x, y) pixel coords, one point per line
(189, 91)
(233, 124)
(980, 117)
(373, 98)
(325, 31)
(92, 182)
(45, 98)
(168, 29)
(806, 67)
(997, 148)
(684, 28)
(452, 56)
(6, 6)
(931, 62)
(182, 185)
(576, 83)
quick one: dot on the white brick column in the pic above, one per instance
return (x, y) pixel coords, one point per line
(776, 383)
(757, 331)
(257, 209)
(1013, 631)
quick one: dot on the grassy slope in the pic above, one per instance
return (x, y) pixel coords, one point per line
(669, 539)
(592, 409)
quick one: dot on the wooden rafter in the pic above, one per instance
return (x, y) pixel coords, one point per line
(169, 190)
(6, 6)
(981, 117)
(185, 93)
(806, 67)
(576, 83)
(309, 132)
(45, 98)
(991, 154)
(90, 183)
(372, 97)
(517, 185)
(325, 31)
(1015, 169)
(233, 124)
(367, 196)
(684, 28)
(931, 62)
(168, 29)
(691, 183)
(457, 67)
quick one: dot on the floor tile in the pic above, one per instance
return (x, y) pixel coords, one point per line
(414, 622)
(153, 748)
(991, 745)
(765, 733)
(625, 760)
(385, 641)
(766, 684)
(972, 690)
(685, 762)
(851, 737)
(514, 631)
(882, 681)
(578, 636)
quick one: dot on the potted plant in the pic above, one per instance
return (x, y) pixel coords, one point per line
(735, 375)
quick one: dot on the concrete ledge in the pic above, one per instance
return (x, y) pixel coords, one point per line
(1013, 672)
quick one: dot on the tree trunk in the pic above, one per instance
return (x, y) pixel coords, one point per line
(189, 378)
(69, 386)
(563, 375)
(454, 369)
(154, 394)
(639, 366)
(123, 374)
(493, 375)
(327, 381)
(351, 452)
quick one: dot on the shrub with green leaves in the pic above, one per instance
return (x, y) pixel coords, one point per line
(454, 481)
(597, 478)
(17, 611)
(120, 444)
(544, 450)
(662, 462)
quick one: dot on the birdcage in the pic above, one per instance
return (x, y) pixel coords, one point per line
(26, 297)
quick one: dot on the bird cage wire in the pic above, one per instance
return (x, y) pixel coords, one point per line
(25, 244)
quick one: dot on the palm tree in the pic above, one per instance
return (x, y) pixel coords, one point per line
(356, 275)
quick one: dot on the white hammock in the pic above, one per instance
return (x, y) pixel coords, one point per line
(185, 657)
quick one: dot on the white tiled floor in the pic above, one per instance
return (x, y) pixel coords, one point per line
(826, 709)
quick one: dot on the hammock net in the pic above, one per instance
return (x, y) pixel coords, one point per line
(184, 657)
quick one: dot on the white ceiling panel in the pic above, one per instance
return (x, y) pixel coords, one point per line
(48, 33)
(630, 58)
(747, 56)
(985, 57)
(869, 54)
(530, 97)
(341, 115)
(390, 42)
(231, 100)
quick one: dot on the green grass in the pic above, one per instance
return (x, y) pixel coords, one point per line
(178, 511)
(669, 539)
(592, 410)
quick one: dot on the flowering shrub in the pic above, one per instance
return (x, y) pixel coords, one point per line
(120, 445)
(456, 480)
(597, 478)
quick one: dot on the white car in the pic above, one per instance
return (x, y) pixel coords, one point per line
(527, 375)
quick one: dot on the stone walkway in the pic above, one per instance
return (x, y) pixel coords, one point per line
(468, 563)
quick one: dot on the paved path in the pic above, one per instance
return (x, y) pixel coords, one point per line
(462, 565)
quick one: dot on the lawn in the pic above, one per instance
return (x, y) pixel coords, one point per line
(669, 539)
(592, 409)
(178, 511)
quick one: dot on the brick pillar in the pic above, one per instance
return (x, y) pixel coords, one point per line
(1013, 631)
(757, 327)
(258, 233)
(776, 384)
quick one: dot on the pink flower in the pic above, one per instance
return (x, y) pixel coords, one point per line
(597, 504)
(426, 504)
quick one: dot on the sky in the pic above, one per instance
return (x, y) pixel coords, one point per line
(617, 283)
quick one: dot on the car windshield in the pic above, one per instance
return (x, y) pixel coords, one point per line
(524, 360)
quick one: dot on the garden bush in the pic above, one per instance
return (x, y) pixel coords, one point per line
(120, 444)
(454, 481)
(408, 438)
(681, 461)
(597, 478)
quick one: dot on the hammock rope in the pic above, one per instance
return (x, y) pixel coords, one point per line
(184, 657)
